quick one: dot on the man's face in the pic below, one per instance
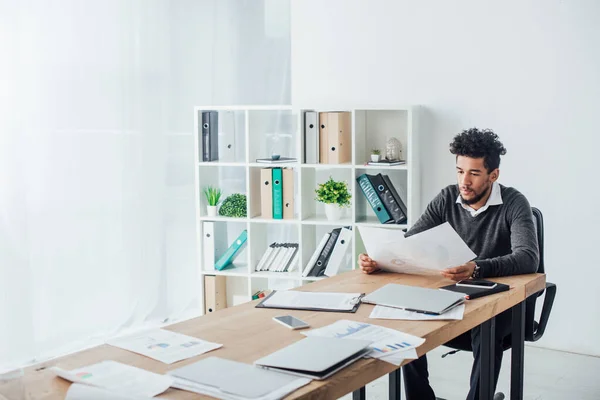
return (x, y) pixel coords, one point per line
(474, 182)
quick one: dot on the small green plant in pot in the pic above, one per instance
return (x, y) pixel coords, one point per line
(213, 196)
(335, 195)
(234, 206)
(375, 155)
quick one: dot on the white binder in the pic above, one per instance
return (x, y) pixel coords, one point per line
(313, 259)
(208, 246)
(339, 252)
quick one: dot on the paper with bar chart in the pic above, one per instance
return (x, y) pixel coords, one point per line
(386, 341)
(164, 346)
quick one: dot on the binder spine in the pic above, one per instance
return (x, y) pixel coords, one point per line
(373, 199)
(313, 259)
(232, 251)
(384, 193)
(277, 194)
(397, 198)
(325, 254)
(288, 193)
(311, 137)
(210, 136)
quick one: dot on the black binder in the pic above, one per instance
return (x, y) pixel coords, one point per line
(397, 197)
(387, 198)
(210, 135)
(321, 264)
(473, 292)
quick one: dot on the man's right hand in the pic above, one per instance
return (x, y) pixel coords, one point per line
(366, 264)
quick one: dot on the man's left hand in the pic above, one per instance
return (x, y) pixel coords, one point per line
(461, 272)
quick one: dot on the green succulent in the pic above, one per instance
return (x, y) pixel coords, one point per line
(213, 195)
(333, 192)
(234, 206)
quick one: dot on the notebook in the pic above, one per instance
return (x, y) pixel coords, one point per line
(473, 292)
(413, 298)
(315, 357)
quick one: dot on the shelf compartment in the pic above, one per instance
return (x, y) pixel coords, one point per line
(216, 237)
(231, 131)
(256, 186)
(311, 237)
(273, 132)
(229, 179)
(373, 129)
(312, 210)
(363, 213)
(261, 236)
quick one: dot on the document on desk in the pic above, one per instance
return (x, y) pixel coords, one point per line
(164, 346)
(398, 358)
(424, 253)
(294, 299)
(85, 392)
(385, 340)
(383, 312)
(120, 378)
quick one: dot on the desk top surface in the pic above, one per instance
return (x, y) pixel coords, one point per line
(248, 333)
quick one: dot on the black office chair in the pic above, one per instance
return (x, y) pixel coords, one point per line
(533, 330)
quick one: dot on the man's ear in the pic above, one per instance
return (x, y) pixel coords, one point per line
(494, 175)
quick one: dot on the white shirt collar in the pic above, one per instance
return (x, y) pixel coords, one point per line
(494, 200)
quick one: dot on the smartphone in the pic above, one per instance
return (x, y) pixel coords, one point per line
(291, 322)
(481, 284)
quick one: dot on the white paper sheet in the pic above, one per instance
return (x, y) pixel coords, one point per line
(117, 377)
(398, 358)
(424, 253)
(85, 392)
(385, 340)
(323, 300)
(383, 312)
(164, 346)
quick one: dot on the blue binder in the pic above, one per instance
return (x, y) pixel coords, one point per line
(232, 252)
(373, 199)
(277, 193)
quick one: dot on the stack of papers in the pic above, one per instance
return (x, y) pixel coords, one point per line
(383, 312)
(118, 378)
(226, 379)
(387, 344)
(164, 346)
(320, 301)
(424, 253)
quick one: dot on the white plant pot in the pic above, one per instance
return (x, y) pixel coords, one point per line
(211, 211)
(333, 212)
(375, 157)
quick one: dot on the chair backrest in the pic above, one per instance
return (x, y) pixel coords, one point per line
(538, 220)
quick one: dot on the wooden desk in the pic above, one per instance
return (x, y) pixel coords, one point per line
(248, 333)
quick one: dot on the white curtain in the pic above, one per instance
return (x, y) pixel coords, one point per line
(97, 229)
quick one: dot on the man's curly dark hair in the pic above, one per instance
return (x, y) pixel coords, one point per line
(475, 143)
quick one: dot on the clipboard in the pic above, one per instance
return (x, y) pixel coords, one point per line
(309, 308)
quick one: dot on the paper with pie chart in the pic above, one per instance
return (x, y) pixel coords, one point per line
(164, 346)
(423, 253)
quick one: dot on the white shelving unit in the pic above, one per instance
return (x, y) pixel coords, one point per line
(250, 132)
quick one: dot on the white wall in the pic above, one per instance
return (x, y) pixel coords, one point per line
(527, 69)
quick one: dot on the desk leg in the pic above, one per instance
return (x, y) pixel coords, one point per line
(360, 394)
(486, 379)
(395, 388)
(517, 352)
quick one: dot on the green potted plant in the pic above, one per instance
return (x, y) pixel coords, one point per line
(213, 195)
(334, 195)
(375, 155)
(234, 206)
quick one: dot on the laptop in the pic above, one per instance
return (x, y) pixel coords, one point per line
(413, 298)
(315, 357)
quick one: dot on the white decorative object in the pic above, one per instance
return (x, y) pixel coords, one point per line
(333, 212)
(393, 149)
(375, 157)
(211, 211)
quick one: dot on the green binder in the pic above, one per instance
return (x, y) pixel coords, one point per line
(373, 199)
(277, 193)
(232, 252)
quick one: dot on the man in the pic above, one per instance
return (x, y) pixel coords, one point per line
(495, 221)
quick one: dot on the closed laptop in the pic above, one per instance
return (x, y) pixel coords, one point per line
(414, 298)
